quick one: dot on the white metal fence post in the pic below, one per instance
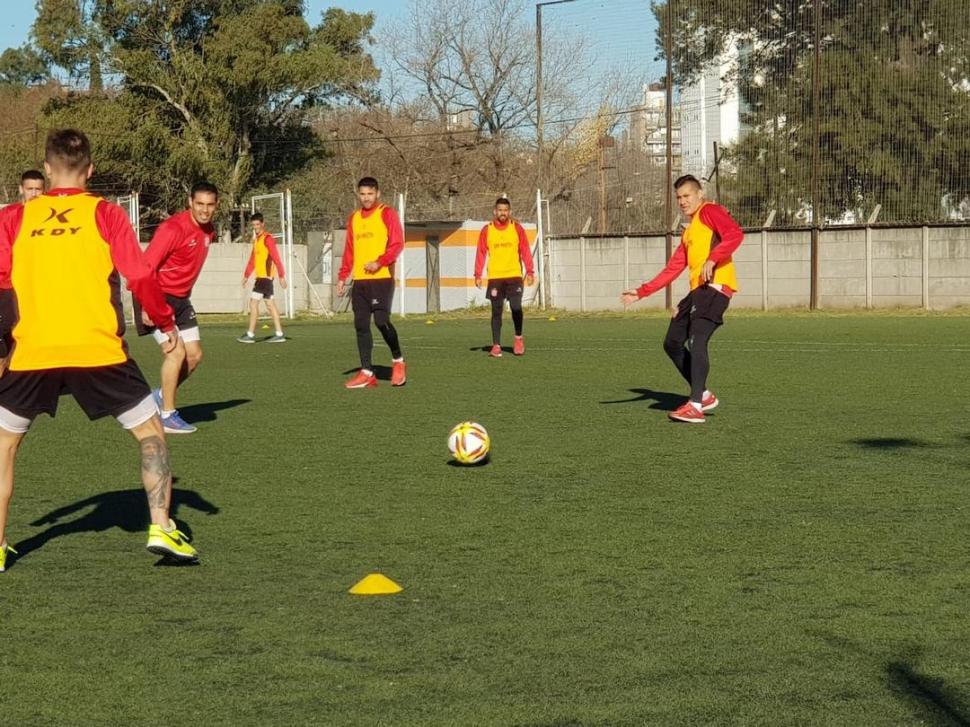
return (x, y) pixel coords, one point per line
(926, 267)
(582, 274)
(764, 259)
(400, 262)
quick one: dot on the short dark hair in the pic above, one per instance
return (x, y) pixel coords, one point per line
(687, 179)
(32, 174)
(203, 186)
(368, 182)
(256, 217)
(503, 200)
(67, 149)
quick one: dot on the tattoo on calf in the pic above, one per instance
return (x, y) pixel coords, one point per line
(156, 471)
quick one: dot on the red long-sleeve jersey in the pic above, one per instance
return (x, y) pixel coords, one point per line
(395, 241)
(729, 236)
(178, 251)
(126, 254)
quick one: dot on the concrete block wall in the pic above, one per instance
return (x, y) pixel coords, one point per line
(608, 265)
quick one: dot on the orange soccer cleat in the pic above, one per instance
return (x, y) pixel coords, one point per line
(399, 373)
(687, 413)
(361, 380)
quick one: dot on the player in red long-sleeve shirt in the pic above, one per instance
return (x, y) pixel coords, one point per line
(504, 243)
(374, 240)
(61, 254)
(706, 246)
(177, 253)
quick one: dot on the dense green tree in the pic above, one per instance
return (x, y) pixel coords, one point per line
(23, 67)
(68, 36)
(217, 88)
(893, 102)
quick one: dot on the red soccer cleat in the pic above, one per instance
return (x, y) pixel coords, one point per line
(518, 348)
(496, 351)
(399, 373)
(687, 413)
(709, 402)
(360, 380)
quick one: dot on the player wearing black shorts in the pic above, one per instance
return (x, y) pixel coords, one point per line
(708, 241)
(265, 262)
(374, 240)
(504, 243)
(68, 334)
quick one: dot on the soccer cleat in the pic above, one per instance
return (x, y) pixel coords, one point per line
(399, 373)
(709, 402)
(360, 380)
(246, 338)
(4, 549)
(171, 543)
(687, 413)
(496, 351)
(518, 348)
(276, 339)
(157, 396)
(174, 424)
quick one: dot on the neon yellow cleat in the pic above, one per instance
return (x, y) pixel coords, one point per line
(171, 543)
(4, 549)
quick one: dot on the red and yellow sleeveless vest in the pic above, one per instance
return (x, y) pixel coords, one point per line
(68, 292)
(503, 251)
(697, 239)
(262, 262)
(370, 242)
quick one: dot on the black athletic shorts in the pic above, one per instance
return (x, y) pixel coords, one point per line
(182, 307)
(372, 295)
(100, 391)
(503, 289)
(703, 302)
(264, 286)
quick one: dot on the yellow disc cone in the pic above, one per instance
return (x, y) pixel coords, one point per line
(375, 584)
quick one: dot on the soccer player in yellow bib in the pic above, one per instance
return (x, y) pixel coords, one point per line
(265, 262)
(706, 246)
(504, 243)
(63, 252)
(374, 241)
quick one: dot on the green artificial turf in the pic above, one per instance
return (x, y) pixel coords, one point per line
(801, 558)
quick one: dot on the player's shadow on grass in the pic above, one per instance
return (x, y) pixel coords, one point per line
(892, 443)
(383, 373)
(486, 349)
(207, 412)
(125, 509)
(663, 400)
(929, 697)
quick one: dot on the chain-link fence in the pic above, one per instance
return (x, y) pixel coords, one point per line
(821, 112)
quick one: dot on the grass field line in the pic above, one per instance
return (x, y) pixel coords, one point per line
(747, 347)
(835, 344)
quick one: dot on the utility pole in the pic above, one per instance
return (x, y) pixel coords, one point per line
(669, 121)
(816, 153)
(540, 120)
(602, 144)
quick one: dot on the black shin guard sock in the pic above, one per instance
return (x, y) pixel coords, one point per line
(517, 319)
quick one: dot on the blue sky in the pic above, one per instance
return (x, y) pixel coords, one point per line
(619, 33)
(18, 15)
